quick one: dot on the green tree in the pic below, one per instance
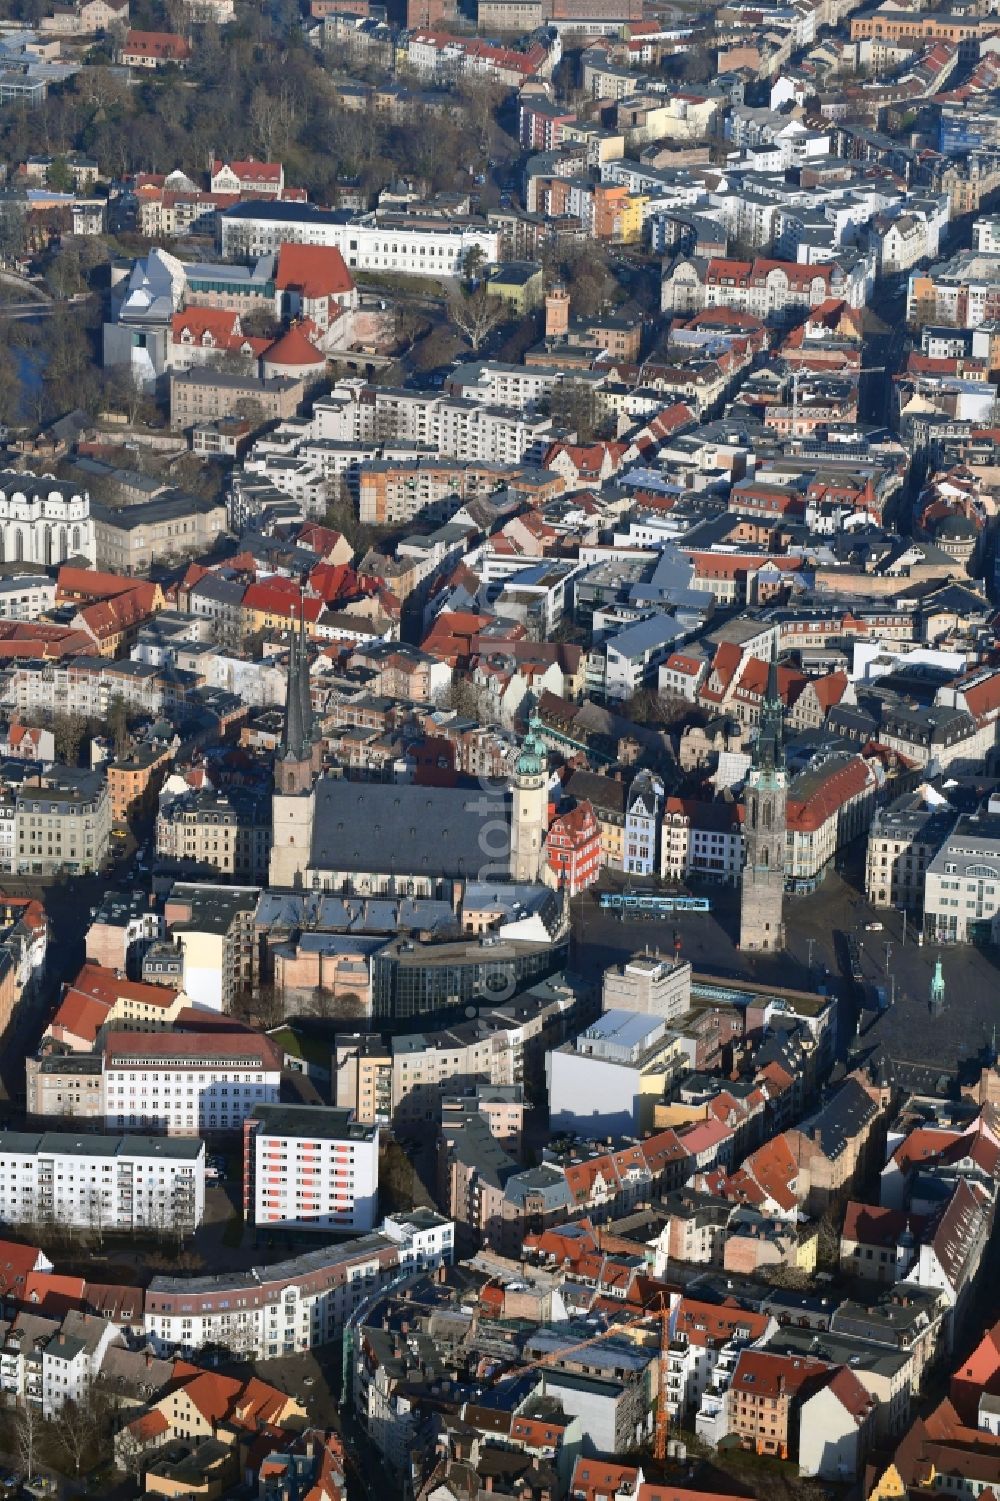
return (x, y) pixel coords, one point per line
(59, 177)
(118, 725)
(475, 259)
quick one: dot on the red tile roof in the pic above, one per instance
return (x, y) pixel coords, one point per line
(762, 1374)
(158, 44)
(708, 1323)
(176, 1047)
(596, 1479)
(312, 270)
(293, 348)
(250, 170)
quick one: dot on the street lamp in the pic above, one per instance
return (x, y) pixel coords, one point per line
(888, 954)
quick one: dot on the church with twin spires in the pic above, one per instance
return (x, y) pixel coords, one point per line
(378, 838)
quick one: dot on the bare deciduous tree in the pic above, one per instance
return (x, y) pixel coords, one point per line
(29, 1429)
(475, 314)
(79, 1430)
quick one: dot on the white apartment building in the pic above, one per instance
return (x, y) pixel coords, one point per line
(450, 427)
(46, 1362)
(422, 248)
(986, 234)
(85, 685)
(293, 1305)
(184, 1084)
(493, 383)
(101, 1182)
(309, 1167)
(26, 596)
(422, 1238)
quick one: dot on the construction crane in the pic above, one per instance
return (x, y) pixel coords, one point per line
(661, 1422)
(660, 1314)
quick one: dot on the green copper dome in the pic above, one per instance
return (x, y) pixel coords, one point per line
(533, 758)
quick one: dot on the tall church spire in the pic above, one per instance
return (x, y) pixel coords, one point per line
(764, 830)
(304, 687)
(768, 752)
(298, 750)
(291, 743)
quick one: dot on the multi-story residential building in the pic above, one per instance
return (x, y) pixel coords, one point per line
(26, 596)
(98, 999)
(213, 926)
(765, 1394)
(101, 1182)
(154, 49)
(610, 1077)
(403, 1080)
(63, 822)
(225, 832)
(962, 883)
(902, 841)
(295, 1305)
(391, 491)
(643, 809)
(703, 1334)
(950, 736)
(60, 1087)
(309, 1167)
(701, 839)
(607, 798)
(252, 179)
(122, 926)
(829, 803)
(133, 780)
(961, 292)
(650, 985)
(186, 1084)
(573, 849)
(86, 685)
(769, 289)
(451, 428)
(47, 1360)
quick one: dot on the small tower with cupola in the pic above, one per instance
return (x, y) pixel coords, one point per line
(529, 811)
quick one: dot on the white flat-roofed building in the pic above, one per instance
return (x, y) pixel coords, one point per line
(962, 883)
(293, 1305)
(429, 247)
(101, 1182)
(183, 1084)
(597, 1084)
(310, 1167)
(26, 596)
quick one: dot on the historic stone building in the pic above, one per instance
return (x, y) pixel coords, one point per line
(43, 520)
(300, 759)
(529, 810)
(766, 797)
